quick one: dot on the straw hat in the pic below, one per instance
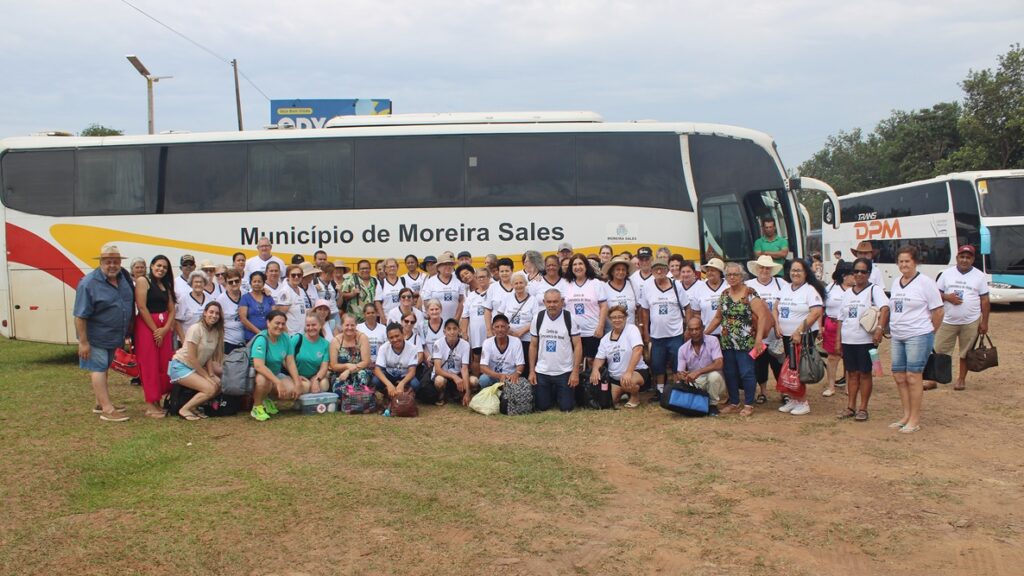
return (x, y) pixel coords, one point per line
(207, 265)
(766, 261)
(308, 269)
(607, 268)
(445, 258)
(110, 251)
(717, 264)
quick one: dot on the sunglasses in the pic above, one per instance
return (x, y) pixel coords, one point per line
(295, 275)
(408, 321)
(860, 271)
(219, 275)
(407, 297)
(233, 282)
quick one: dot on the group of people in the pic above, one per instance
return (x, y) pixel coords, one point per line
(633, 321)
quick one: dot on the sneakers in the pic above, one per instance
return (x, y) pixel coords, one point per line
(801, 408)
(270, 407)
(788, 406)
(259, 413)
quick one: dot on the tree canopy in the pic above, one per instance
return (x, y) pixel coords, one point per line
(984, 132)
(100, 130)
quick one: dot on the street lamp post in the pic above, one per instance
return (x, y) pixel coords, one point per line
(150, 80)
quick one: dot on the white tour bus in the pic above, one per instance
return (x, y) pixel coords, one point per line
(984, 209)
(375, 187)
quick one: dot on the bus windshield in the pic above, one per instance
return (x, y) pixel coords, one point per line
(1002, 196)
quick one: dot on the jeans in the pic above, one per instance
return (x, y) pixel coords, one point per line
(911, 354)
(739, 369)
(664, 351)
(486, 381)
(395, 378)
(551, 388)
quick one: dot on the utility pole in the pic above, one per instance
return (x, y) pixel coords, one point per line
(238, 95)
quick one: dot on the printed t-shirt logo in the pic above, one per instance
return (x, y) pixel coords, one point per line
(550, 346)
(897, 305)
(616, 357)
(662, 309)
(783, 311)
(447, 296)
(579, 309)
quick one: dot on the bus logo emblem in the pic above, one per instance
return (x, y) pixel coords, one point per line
(880, 229)
(622, 230)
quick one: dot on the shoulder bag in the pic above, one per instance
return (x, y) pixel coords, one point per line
(980, 357)
(812, 369)
(870, 318)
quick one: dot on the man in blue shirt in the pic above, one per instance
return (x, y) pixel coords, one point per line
(104, 304)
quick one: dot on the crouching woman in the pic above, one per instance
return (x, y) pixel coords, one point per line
(274, 363)
(192, 366)
(395, 370)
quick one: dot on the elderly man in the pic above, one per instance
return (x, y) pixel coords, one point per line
(700, 361)
(258, 263)
(556, 352)
(965, 295)
(104, 305)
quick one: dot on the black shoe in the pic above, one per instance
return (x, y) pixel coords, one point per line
(785, 398)
(841, 381)
(656, 397)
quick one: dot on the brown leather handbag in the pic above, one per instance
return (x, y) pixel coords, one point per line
(981, 357)
(403, 405)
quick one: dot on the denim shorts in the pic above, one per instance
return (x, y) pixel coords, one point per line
(99, 359)
(911, 354)
(177, 370)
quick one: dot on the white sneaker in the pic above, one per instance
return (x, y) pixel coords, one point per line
(788, 406)
(801, 408)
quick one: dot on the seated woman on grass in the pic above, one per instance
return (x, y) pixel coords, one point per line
(194, 364)
(274, 363)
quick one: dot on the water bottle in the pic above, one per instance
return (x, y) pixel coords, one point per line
(387, 412)
(876, 363)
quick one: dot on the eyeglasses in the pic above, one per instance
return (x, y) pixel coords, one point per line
(233, 282)
(860, 271)
(219, 274)
(407, 297)
(734, 274)
(408, 321)
(295, 275)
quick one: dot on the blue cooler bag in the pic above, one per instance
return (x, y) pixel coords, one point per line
(319, 403)
(686, 399)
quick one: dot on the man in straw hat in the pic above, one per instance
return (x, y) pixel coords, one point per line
(768, 287)
(865, 250)
(104, 305)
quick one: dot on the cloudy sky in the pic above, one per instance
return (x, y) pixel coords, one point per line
(797, 69)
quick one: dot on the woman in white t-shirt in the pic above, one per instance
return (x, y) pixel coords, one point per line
(915, 313)
(193, 364)
(406, 305)
(618, 289)
(706, 294)
(856, 342)
(799, 306)
(190, 308)
(375, 332)
(234, 332)
(585, 299)
(414, 277)
(389, 290)
(622, 350)
(293, 300)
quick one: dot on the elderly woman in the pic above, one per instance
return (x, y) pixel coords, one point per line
(855, 341)
(311, 352)
(230, 300)
(743, 319)
(797, 310)
(768, 287)
(274, 363)
(293, 300)
(621, 350)
(190, 308)
(533, 265)
(193, 365)
(520, 308)
(707, 293)
(915, 314)
(350, 359)
(618, 289)
(137, 268)
(255, 305)
(155, 301)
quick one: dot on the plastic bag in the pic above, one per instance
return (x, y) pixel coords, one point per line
(487, 402)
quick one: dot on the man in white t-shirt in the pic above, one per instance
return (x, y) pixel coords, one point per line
(259, 262)
(965, 296)
(502, 357)
(556, 352)
(865, 250)
(446, 289)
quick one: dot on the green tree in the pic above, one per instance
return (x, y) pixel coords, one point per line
(915, 145)
(100, 130)
(992, 123)
(848, 162)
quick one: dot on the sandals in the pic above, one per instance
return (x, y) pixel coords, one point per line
(960, 386)
(631, 405)
(747, 410)
(155, 414)
(761, 399)
(190, 416)
(909, 429)
(897, 425)
(847, 413)
(861, 416)
(97, 409)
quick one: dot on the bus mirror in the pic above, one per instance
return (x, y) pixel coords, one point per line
(828, 213)
(986, 241)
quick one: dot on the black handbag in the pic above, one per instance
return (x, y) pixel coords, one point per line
(939, 368)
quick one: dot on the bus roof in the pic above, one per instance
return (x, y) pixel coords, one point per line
(551, 122)
(967, 176)
(464, 118)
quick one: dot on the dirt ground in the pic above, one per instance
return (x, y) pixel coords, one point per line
(452, 492)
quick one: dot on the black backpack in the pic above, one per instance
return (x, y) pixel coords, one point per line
(179, 396)
(595, 396)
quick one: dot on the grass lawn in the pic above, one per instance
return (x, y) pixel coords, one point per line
(452, 492)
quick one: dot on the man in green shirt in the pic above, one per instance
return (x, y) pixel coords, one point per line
(771, 244)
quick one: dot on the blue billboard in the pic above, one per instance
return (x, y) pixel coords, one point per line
(300, 113)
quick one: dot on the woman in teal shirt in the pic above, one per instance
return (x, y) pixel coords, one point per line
(311, 353)
(274, 363)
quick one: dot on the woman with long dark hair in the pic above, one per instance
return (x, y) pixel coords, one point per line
(193, 364)
(154, 325)
(585, 297)
(798, 308)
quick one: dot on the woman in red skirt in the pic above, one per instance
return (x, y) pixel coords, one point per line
(154, 327)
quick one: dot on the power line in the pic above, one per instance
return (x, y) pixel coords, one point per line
(196, 44)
